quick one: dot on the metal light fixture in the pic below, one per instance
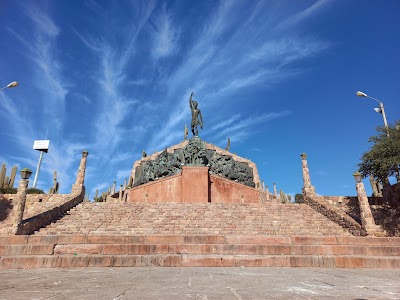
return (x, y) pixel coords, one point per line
(10, 85)
(379, 109)
(25, 173)
(357, 176)
(361, 94)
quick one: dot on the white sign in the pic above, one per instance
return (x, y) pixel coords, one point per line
(41, 145)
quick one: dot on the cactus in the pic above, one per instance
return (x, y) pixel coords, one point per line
(54, 189)
(229, 145)
(56, 185)
(2, 175)
(283, 197)
(103, 197)
(6, 182)
(12, 177)
(97, 194)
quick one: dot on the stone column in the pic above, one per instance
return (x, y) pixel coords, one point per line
(79, 185)
(308, 189)
(19, 206)
(367, 220)
(266, 193)
(113, 188)
(125, 184)
(275, 192)
(120, 193)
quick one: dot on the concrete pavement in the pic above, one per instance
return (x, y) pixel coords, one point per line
(200, 283)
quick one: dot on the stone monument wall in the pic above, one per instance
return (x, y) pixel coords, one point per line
(194, 184)
(171, 150)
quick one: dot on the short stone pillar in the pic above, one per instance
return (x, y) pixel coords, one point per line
(120, 193)
(266, 193)
(113, 188)
(20, 200)
(275, 192)
(79, 185)
(308, 189)
(367, 220)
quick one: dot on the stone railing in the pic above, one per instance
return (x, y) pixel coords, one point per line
(335, 214)
(30, 225)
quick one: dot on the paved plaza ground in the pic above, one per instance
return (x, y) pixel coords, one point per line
(200, 283)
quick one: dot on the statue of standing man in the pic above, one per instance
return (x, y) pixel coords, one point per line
(197, 118)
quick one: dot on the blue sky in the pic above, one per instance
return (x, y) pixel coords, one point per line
(277, 77)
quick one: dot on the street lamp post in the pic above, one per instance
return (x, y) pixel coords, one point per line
(10, 85)
(381, 109)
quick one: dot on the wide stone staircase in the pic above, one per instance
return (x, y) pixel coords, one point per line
(189, 235)
(193, 219)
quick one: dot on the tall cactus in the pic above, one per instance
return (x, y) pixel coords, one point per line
(54, 189)
(229, 145)
(2, 175)
(12, 177)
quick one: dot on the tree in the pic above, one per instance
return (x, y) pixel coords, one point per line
(34, 191)
(383, 158)
(298, 198)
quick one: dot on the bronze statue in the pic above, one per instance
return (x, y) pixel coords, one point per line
(197, 119)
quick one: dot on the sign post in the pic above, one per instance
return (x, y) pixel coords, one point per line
(42, 146)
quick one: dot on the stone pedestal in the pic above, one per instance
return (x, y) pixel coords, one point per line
(367, 220)
(195, 184)
(79, 185)
(308, 189)
(19, 206)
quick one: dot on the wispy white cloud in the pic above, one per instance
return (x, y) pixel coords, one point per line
(240, 130)
(137, 99)
(220, 69)
(303, 15)
(122, 175)
(165, 35)
(139, 82)
(43, 22)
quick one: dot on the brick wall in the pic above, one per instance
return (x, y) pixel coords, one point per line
(334, 214)
(40, 209)
(163, 190)
(227, 191)
(194, 184)
(44, 218)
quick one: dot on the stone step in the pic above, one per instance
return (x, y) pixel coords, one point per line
(192, 218)
(204, 249)
(174, 260)
(198, 239)
(60, 251)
